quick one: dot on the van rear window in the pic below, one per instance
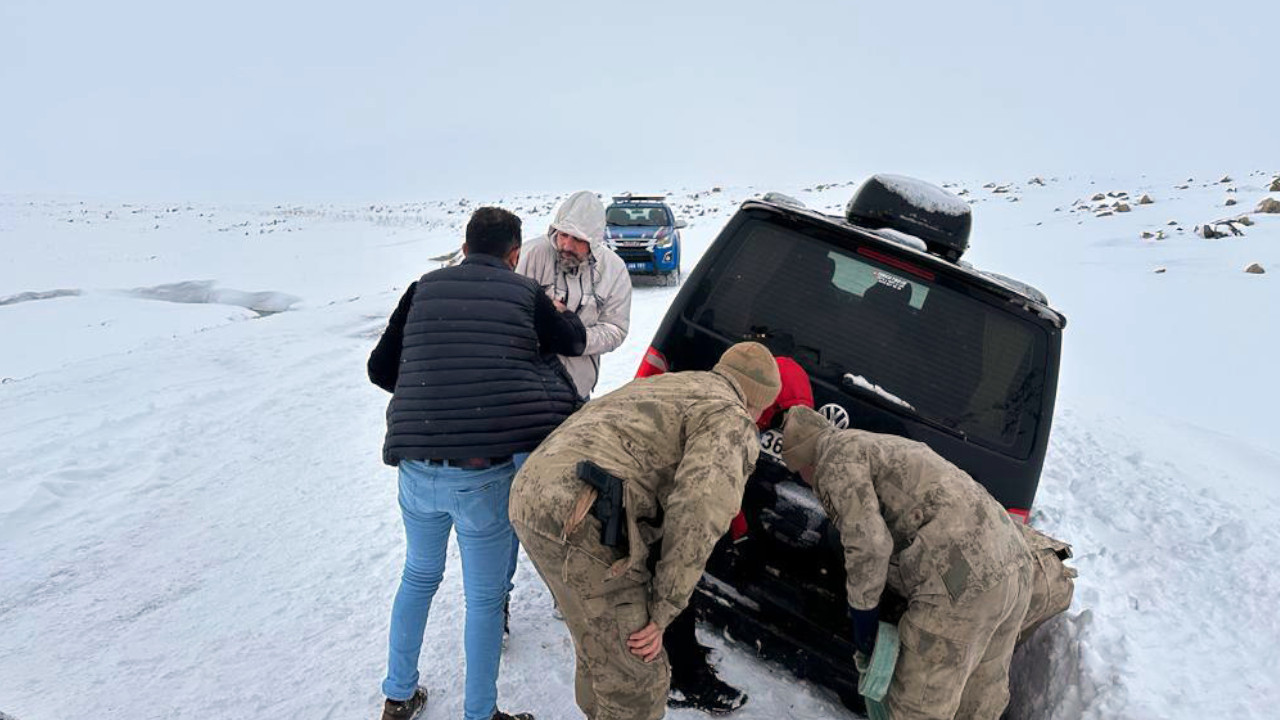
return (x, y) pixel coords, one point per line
(951, 358)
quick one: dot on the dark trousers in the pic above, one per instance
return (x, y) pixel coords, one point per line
(681, 643)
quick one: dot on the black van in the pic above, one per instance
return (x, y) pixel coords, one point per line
(898, 336)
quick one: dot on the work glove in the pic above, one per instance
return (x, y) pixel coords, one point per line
(866, 623)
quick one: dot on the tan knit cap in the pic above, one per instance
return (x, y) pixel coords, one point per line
(800, 433)
(752, 366)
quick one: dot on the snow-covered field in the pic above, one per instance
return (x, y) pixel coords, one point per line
(195, 522)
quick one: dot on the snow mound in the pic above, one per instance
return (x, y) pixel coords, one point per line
(44, 295)
(204, 292)
(1050, 677)
(1177, 584)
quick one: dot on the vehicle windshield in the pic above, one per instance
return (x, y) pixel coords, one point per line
(637, 215)
(861, 323)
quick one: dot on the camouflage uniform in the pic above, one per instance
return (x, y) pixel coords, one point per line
(912, 520)
(684, 444)
(1052, 584)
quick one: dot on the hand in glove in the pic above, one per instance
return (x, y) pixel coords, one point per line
(866, 623)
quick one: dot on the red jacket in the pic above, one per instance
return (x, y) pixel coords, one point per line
(796, 390)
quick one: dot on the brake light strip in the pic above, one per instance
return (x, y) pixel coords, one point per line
(894, 262)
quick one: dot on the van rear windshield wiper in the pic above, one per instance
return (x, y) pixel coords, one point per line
(865, 388)
(859, 382)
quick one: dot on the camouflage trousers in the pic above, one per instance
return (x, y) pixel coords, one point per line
(954, 658)
(601, 612)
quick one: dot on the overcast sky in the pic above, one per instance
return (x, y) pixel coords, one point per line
(257, 100)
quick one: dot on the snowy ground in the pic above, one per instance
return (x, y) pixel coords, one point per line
(194, 521)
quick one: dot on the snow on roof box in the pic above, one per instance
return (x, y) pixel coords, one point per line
(939, 218)
(781, 199)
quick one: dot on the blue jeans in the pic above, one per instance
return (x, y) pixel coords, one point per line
(434, 499)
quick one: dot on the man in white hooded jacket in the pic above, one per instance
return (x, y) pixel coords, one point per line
(580, 274)
(577, 270)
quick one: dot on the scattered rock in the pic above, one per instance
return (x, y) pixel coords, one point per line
(1181, 187)
(1275, 185)
(1172, 222)
(1218, 229)
(1230, 201)
(1161, 269)
(1268, 205)
(1036, 181)
(1255, 269)
(1145, 199)
(716, 189)
(1104, 213)
(1122, 207)
(1244, 220)
(1225, 179)
(1098, 197)
(1148, 235)
(989, 185)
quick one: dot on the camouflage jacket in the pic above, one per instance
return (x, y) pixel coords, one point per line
(908, 517)
(682, 443)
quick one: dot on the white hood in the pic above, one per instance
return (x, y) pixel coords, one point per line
(582, 216)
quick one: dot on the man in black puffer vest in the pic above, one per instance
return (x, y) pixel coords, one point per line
(469, 356)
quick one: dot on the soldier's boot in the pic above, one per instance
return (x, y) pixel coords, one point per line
(405, 709)
(499, 715)
(697, 686)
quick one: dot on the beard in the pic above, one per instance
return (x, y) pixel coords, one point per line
(570, 260)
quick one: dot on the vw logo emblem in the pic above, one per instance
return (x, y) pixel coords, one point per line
(836, 415)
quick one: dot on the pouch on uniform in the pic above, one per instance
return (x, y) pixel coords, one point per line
(1052, 581)
(875, 674)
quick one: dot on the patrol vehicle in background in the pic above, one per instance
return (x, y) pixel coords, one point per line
(645, 233)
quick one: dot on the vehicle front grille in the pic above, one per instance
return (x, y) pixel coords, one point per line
(634, 255)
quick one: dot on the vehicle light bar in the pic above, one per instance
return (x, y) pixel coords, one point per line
(644, 198)
(1022, 516)
(894, 262)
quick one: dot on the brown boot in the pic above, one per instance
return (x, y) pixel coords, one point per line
(405, 709)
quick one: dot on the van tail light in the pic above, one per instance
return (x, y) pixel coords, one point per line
(1022, 516)
(653, 364)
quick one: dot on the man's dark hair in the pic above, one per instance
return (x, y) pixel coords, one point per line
(493, 231)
